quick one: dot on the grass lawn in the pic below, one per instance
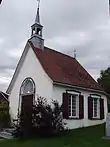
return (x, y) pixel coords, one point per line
(85, 137)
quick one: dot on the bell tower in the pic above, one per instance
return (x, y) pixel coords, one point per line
(36, 34)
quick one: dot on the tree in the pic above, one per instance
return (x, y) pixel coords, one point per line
(104, 80)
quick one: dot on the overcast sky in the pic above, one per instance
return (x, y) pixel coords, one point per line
(68, 24)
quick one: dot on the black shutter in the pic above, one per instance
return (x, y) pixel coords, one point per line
(90, 108)
(81, 106)
(65, 106)
(101, 109)
(0, 1)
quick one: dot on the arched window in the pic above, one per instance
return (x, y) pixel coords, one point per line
(27, 87)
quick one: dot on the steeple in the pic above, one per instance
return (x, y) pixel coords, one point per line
(37, 20)
(36, 35)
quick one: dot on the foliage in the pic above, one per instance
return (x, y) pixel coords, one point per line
(46, 118)
(104, 79)
(4, 114)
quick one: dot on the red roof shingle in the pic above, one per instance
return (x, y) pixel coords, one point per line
(64, 69)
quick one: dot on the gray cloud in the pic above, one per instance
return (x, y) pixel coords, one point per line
(82, 24)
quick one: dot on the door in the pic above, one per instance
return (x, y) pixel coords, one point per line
(26, 112)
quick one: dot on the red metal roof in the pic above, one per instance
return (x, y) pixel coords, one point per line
(64, 69)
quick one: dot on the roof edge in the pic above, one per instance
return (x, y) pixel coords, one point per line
(41, 63)
(81, 88)
(17, 69)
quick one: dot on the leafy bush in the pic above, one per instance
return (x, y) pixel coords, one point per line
(4, 114)
(47, 119)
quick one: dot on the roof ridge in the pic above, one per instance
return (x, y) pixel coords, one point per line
(62, 53)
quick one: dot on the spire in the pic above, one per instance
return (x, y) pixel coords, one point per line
(75, 53)
(36, 35)
(37, 20)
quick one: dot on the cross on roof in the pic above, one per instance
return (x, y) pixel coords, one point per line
(38, 1)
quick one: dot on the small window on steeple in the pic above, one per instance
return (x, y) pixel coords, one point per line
(39, 31)
(33, 31)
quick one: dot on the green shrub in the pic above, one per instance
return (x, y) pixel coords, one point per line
(4, 114)
(47, 120)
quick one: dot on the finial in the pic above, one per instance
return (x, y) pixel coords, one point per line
(37, 20)
(38, 3)
(75, 53)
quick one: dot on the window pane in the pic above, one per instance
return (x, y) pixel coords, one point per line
(70, 101)
(69, 107)
(69, 113)
(95, 111)
(73, 100)
(73, 106)
(74, 112)
(27, 86)
(95, 106)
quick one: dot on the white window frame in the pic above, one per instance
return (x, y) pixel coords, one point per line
(77, 105)
(98, 106)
